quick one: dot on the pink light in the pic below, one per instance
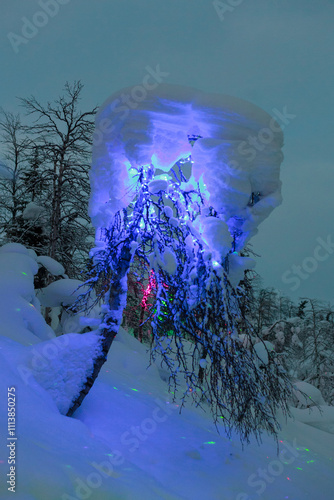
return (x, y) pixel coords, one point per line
(147, 292)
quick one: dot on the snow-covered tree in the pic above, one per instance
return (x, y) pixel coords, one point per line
(45, 201)
(172, 188)
(14, 151)
(302, 335)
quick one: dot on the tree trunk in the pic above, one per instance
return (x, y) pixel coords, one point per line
(112, 320)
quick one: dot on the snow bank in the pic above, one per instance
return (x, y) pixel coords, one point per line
(322, 418)
(129, 441)
(19, 308)
(59, 458)
(61, 366)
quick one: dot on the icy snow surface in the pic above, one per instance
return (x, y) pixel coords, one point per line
(128, 441)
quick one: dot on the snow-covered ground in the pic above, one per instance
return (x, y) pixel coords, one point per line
(128, 440)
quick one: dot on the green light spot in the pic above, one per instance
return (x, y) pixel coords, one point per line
(310, 461)
(210, 442)
(299, 468)
(306, 449)
(24, 273)
(115, 388)
(134, 389)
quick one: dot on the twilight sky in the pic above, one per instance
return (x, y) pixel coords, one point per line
(277, 54)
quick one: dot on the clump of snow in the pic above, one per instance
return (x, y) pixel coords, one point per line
(202, 363)
(14, 248)
(77, 322)
(262, 349)
(157, 185)
(229, 176)
(61, 292)
(156, 133)
(215, 234)
(32, 211)
(166, 261)
(168, 211)
(237, 267)
(51, 265)
(311, 397)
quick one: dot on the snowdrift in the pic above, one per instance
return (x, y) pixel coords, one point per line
(128, 440)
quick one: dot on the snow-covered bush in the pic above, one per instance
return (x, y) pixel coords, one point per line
(302, 336)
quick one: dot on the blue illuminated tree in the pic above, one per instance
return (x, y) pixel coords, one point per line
(200, 334)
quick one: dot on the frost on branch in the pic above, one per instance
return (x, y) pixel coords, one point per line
(177, 194)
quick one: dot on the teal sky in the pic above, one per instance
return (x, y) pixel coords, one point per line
(274, 53)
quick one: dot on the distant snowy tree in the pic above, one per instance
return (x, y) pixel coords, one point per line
(165, 196)
(61, 142)
(13, 193)
(302, 336)
(44, 201)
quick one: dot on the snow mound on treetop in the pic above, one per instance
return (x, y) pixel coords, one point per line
(61, 292)
(312, 394)
(32, 211)
(51, 265)
(157, 130)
